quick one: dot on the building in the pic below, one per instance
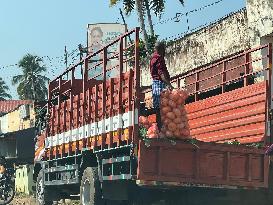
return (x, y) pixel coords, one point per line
(16, 115)
(17, 130)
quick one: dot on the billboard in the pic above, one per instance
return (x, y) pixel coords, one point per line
(99, 35)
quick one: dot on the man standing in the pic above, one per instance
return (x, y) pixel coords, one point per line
(160, 76)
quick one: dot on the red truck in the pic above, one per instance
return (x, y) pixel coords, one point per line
(92, 146)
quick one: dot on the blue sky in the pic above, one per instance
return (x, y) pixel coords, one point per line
(44, 27)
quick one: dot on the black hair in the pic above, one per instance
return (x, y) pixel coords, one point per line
(160, 45)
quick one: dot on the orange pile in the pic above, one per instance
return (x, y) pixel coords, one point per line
(173, 114)
(153, 131)
(150, 125)
(144, 122)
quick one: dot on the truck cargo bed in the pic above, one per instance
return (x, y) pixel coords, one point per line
(162, 162)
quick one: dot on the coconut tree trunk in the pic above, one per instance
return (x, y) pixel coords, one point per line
(33, 88)
(142, 22)
(149, 17)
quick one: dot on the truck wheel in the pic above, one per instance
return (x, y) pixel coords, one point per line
(91, 193)
(41, 197)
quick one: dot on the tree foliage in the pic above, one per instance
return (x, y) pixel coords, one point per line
(4, 90)
(144, 8)
(157, 6)
(32, 84)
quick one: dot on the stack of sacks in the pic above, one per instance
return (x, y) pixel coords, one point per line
(173, 114)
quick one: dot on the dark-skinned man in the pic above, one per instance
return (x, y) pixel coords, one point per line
(160, 77)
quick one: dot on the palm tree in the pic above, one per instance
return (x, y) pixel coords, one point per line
(141, 19)
(143, 6)
(3, 90)
(129, 6)
(149, 17)
(31, 84)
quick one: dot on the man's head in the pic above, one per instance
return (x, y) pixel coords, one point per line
(160, 48)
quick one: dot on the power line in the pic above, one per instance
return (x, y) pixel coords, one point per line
(178, 16)
(187, 32)
(60, 59)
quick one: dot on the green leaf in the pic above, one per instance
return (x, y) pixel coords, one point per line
(142, 132)
(4, 90)
(32, 83)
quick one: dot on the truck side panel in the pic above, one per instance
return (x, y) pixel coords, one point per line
(203, 164)
(236, 115)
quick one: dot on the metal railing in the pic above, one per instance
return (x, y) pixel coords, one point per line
(257, 61)
(78, 78)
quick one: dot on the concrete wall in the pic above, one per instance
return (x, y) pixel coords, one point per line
(12, 121)
(260, 20)
(260, 28)
(24, 179)
(227, 36)
(4, 124)
(244, 29)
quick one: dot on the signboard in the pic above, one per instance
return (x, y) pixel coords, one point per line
(99, 35)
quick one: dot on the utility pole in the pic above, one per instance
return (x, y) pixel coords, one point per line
(82, 50)
(65, 57)
(81, 53)
(123, 19)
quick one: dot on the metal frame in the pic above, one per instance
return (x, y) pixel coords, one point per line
(246, 54)
(70, 87)
(117, 160)
(61, 172)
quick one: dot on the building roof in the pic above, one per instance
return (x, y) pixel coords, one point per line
(10, 105)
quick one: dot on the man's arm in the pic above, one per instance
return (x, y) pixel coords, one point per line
(167, 82)
(162, 74)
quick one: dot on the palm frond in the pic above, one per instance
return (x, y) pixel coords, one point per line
(129, 6)
(158, 7)
(3, 90)
(17, 79)
(182, 2)
(5, 95)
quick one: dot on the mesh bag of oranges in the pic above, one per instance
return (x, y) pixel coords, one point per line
(173, 114)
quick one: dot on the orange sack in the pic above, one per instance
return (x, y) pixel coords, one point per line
(173, 114)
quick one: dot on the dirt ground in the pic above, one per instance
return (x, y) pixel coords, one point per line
(30, 200)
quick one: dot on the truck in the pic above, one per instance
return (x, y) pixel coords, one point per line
(91, 145)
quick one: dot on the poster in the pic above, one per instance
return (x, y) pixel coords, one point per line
(98, 36)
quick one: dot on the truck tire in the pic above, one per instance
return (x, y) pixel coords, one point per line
(91, 193)
(41, 196)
